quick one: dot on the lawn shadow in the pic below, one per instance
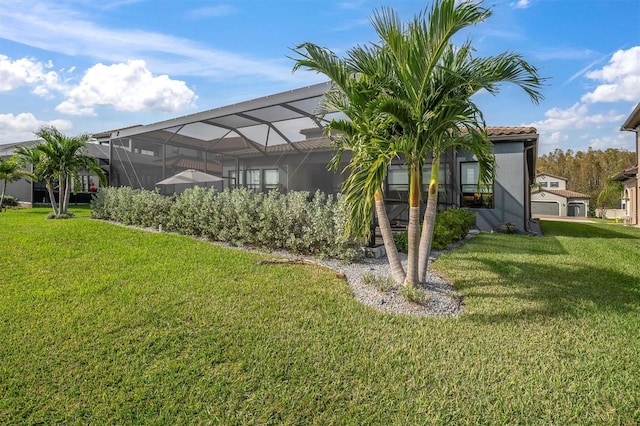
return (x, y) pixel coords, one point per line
(566, 291)
(588, 230)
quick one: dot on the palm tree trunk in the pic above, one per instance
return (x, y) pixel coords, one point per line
(397, 271)
(52, 197)
(429, 221)
(67, 194)
(4, 188)
(413, 229)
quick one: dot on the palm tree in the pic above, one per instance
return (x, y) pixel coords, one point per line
(432, 99)
(58, 161)
(11, 170)
(425, 87)
(365, 134)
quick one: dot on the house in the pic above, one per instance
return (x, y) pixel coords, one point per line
(629, 177)
(277, 142)
(550, 197)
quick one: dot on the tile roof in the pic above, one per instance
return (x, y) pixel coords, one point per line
(508, 131)
(566, 193)
(626, 174)
(550, 175)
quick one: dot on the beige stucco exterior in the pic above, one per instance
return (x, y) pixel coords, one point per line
(631, 195)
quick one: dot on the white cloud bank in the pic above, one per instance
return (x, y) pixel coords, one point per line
(28, 72)
(620, 78)
(21, 127)
(126, 87)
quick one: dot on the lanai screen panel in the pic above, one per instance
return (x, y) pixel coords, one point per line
(206, 141)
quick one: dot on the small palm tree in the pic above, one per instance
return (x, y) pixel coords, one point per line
(423, 86)
(365, 134)
(57, 161)
(11, 170)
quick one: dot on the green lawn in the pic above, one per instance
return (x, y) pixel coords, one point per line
(102, 324)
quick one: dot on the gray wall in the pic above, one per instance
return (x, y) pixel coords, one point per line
(21, 189)
(508, 190)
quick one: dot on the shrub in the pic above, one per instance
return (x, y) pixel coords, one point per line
(451, 225)
(9, 201)
(295, 221)
(130, 206)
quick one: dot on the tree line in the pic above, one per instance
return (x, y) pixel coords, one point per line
(586, 172)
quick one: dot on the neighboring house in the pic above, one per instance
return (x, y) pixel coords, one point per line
(550, 197)
(277, 142)
(34, 193)
(629, 177)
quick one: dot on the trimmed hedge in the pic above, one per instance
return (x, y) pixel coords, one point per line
(297, 221)
(451, 225)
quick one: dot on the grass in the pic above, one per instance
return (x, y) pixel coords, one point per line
(104, 324)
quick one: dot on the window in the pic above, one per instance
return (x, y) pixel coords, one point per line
(271, 179)
(554, 184)
(474, 195)
(234, 179)
(543, 184)
(398, 178)
(253, 180)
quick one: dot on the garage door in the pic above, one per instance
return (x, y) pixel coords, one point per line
(576, 209)
(545, 208)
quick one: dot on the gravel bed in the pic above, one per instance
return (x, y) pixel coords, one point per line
(443, 299)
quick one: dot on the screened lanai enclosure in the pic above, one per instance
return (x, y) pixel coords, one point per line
(277, 142)
(263, 144)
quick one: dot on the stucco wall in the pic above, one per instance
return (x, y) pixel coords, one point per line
(509, 196)
(20, 189)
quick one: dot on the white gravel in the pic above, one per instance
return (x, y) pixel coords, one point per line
(442, 298)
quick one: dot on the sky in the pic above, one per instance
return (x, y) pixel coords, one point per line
(86, 67)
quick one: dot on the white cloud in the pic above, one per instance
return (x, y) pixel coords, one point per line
(550, 142)
(21, 127)
(22, 72)
(126, 87)
(212, 11)
(28, 72)
(65, 30)
(70, 108)
(574, 118)
(619, 140)
(620, 78)
(521, 4)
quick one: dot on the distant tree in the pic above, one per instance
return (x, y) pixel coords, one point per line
(11, 170)
(57, 161)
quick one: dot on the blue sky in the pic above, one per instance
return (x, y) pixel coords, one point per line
(87, 66)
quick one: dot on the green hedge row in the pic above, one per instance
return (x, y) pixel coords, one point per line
(298, 221)
(451, 225)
